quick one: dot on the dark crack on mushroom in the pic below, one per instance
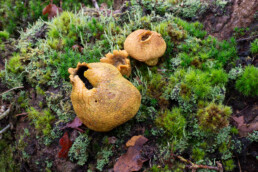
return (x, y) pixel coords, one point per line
(119, 60)
(80, 73)
(146, 36)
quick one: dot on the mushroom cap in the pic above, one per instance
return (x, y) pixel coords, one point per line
(102, 98)
(145, 45)
(120, 60)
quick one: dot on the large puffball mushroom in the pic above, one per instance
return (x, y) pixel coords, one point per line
(120, 60)
(102, 98)
(146, 46)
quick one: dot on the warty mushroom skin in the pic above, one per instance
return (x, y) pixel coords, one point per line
(146, 46)
(120, 60)
(102, 98)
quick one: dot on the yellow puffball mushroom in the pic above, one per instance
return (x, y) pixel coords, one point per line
(102, 98)
(145, 46)
(120, 60)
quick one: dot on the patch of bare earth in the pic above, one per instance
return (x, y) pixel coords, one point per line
(238, 13)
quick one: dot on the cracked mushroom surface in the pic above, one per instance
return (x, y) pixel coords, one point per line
(120, 60)
(102, 98)
(146, 46)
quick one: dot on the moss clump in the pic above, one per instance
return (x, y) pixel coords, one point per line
(229, 165)
(173, 122)
(213, 117)
(79, 149)
(198, 154)
(41, 120)
(14, 65)
(254, 47)
(7, 162)
(248, 82)
(4, 35)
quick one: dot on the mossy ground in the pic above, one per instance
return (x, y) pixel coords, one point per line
(183, 97)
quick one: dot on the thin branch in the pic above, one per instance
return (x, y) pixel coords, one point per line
(5, 113)
(246, 39)
(12, 90)
(240, 170)
(21, 114)
(5, 128)
(194, 166)
(95, 3)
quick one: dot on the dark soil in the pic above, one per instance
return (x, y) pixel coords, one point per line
(238, 13)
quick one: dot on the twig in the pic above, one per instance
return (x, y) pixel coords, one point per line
(24, 113)
(12, 90)
(194, 167)
(246, 39)
(5, 128)
(240, 170)
(95, 3)
(5, 113)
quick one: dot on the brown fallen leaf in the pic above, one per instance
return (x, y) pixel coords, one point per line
(243, 128)
(112, 140)
(132, 160)
(77, 48)
(52, 10)
(76, 123)
(133, 140)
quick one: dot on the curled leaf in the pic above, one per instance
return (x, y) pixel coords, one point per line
(243, 128)
(52, 10)
(75, 124)
(132, 160)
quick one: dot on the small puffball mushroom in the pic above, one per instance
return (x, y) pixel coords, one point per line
(102, 98)
(120, 60)
(146, 46)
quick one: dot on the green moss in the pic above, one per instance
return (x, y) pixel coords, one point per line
(248, 82)
(40, 91)
(218, 77)
(79, 150)
(173, 122)
(7, 161)
(4, 35)
(103, 157)
(194, 29)
(254, 46)
(14, 64)
(234, 130)
(213, 117)
(41, 120)
(229, 165)
(198, 154)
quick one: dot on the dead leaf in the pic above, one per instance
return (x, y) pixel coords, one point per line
(76, 123)
(132, 160)
(66, 143)
(77, 48)
(133, 140)
(112, 140)
(52, 10)
(243, 128)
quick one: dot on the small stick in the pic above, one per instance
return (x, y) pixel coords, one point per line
(12, 90)
(240, 170)
(5, 113)
(194, 167)
(24, 113)
(5, 128)
(95, 3)
(246, 39)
